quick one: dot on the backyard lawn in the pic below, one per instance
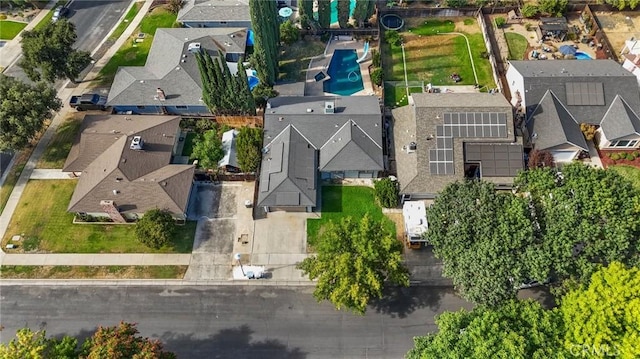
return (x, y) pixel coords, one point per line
(135, 53)
(58, 149)
(42, 218)
(629, 172)
(187, 149)
(294, 59)
(343, 201)
(517, 45)
(432, 56)
(9, 29)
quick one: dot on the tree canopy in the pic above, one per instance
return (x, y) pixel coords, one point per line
(387, 192)
(363, 11)
(208, 149)
(324, 13)
(559, 225)
(604, 316)
(156, 228)
(517, 329)
(249, 148)
(48, 53)
(264, 18)
(23, 110)
(354, 260)
(621, 4)
(344, 10)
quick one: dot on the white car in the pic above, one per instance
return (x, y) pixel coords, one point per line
(59, 13)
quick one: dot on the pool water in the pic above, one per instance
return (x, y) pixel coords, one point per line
(345, 77)
(334, 10)
(582, 56)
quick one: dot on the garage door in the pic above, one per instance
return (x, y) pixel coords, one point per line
(564, 156)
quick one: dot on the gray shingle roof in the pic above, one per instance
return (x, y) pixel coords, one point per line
(181, 81)
(350, 148)
(620, 121)
(417, 123)
(136, 180)
(540, 76)
(214, 10)
(552, 125)
(288, 172)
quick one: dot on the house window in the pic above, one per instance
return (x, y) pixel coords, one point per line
(181, 107)
(141, 107)
(624, 143)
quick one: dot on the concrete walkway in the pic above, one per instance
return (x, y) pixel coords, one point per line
(46, 173)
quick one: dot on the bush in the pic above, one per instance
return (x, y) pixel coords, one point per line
(3, 17)
(529, 11)
(529, 27)
(457, 3)
(387, 192)
(393, 38)
(375, 58)
(377, 76)
(289, 33)
(501, 21)
(636, 153)
(615, 156)
(155, 229)
(589, 131)
(630, 157)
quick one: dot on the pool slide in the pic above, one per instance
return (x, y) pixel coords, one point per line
(366, 52)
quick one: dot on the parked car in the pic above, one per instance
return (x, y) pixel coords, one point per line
(60, 13)
(88, 101)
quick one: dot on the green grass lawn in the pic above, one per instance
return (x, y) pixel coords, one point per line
(343, 201)
(58, 149)
(93, 272)
(135, 54)
(125, 22)
(432, 58)
(629, 172)
(187, 149)
(294, 59)
(517, 45)
(10, 29)
(42, 217)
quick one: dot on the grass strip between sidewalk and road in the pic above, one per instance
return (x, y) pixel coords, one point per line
(41, 218)
(93, 272)
(126, 21)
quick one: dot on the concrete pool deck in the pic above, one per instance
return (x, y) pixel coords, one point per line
(321, 63)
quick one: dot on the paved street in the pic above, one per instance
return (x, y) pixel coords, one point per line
(232, 322)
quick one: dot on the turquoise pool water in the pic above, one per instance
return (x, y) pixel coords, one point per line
(582, 56)
(345, 77)
(334, 10)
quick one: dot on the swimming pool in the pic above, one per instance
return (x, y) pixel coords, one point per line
(345, 77)
(583, 56)
(334, 10)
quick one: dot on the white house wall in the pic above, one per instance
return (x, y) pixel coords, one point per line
(516, 83)
(604, 143)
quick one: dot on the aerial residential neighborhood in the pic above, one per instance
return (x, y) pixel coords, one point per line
(319, 178)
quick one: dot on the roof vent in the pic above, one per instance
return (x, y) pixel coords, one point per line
(329, 107)
(280, 118)
(136, 143)
(412, 147)
(309, 110)
(194, 47)
(115, 191)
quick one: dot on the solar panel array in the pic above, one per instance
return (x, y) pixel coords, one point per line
(463, 125)
(585, 94)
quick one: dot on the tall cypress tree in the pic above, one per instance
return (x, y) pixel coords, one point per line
(324, 13)
(343, 13)
(363, 11)
(264, 18)
(244, 93)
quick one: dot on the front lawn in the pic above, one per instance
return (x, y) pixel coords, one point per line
(135, 53)
(629, 172)
(58, 149)
(294, 59)
(517, 45)
(343, 201)
(432, 56)
(10, 29)
(42, 218)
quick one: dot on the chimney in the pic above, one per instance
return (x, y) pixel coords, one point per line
(109, 207)
(160, 94)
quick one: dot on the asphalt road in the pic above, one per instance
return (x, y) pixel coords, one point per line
(93, 20)
(232, 321)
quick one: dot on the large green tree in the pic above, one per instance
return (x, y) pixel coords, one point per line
(355, 259)
(517, 329)
(553, 7)
(23, 111)
(248, 148)
(264, 18)
(603, 318)
(208, 150)
(156, 228)
(48, 53)
(481, 237)
(35, 345)
(324, 13)
(363, 11)
(343, 13)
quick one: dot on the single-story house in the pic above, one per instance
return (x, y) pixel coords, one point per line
(554, 97)
(308, 139)
(215, 13)
(125, 167)
(443, 137)
(170, 81)
(229, 162)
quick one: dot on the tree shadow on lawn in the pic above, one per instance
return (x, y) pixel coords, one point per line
(229, 343)
(400, 302)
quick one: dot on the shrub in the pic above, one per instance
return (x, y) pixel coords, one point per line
(393, 38)
(529, 11)
(457, 3)
(636, 153)
(289, 33)
(174, 6)
(375, 58)
(541, 158)
(589, 131)
(528, 27)
(387, 192)
(377, 76)
(3, 17)
(630, 157)
(615, 156)
(155, 229)
(501, 21)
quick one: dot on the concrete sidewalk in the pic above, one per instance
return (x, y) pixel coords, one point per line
(12, 50)
(64, 95)
(46, 173)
